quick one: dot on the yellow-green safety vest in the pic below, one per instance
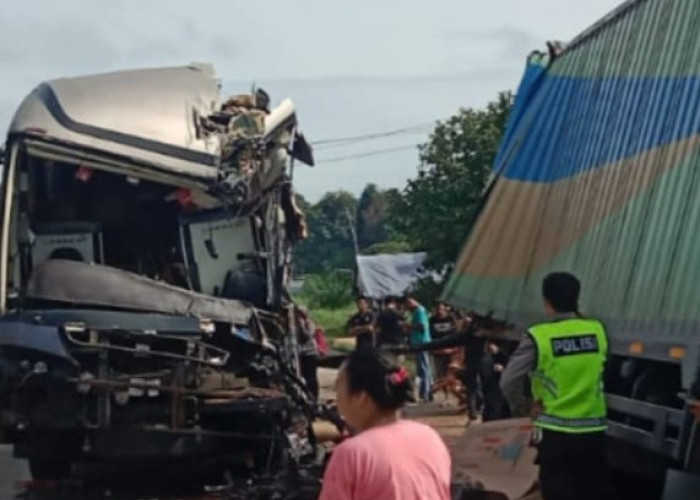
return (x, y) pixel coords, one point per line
(568, 378)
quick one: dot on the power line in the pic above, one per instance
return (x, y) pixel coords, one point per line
(376, 135)
(375, 152)
(342, 141)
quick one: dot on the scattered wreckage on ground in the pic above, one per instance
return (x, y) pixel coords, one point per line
(145, 253)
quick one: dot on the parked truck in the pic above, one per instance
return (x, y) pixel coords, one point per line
(145, 257)
(599, 174)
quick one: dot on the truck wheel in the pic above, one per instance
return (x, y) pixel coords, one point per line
(42, 470)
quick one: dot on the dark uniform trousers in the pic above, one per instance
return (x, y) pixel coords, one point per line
(574, 466)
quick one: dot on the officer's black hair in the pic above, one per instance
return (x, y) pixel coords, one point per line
(562, 291)
(387, 383)
(390, 300)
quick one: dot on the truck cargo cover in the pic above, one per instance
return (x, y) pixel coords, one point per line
(599, 174)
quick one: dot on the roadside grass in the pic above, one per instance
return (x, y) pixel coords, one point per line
(333, 321)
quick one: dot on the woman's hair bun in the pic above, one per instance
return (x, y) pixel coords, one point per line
(380, 376)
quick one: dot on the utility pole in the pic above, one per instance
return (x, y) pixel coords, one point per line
(352, 223)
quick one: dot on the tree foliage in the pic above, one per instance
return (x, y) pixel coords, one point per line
(372, 213)
(328, 290)
(436, 209)
(330, 242)
(433, 213)
(390, 247)
(331, 221)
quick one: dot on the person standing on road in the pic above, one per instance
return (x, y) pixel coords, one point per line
(474, 350)
(387, 458)
(442, 325)
(493, 365)
(361, 324)
(420, 334)
(565, 358)
(389, 325)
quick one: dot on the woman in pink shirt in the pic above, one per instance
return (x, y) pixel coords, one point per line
(388, 458)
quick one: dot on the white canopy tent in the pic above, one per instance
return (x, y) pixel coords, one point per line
(388, 275)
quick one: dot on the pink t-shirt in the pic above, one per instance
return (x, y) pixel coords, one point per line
(401, 461)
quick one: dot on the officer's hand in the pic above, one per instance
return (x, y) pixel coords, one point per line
(537, 409)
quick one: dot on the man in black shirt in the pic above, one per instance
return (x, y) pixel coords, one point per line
(474, 350)
(493, 364)
(442, 324)
(361, 324)
(390, 325)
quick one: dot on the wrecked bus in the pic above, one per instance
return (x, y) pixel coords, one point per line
(145, 255)
(597, 174)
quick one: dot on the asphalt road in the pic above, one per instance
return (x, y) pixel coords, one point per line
(11, 471)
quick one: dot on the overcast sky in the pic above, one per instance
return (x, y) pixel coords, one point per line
(351, 66)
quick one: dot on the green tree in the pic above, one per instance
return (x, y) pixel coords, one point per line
(328, 290)
(330, 222)
(330, 242)
(436, 209)
(373, 226)
(302, 203)
(390, 246)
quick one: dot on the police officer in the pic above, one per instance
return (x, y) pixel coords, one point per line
(565, 358)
